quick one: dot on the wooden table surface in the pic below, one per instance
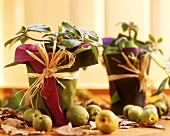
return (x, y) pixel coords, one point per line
(141, 131)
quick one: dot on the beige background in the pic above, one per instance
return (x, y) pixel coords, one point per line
(152, 16)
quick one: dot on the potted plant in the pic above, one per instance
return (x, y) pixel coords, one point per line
(127, 61)
(53, 65)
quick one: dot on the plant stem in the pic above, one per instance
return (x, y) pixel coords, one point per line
(26, 35)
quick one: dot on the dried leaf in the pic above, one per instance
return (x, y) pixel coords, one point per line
(125, 127)
(7, 113)
(93, 125)
(160, 127)
(128, 123)
(69, 130)
(165, 117)
(14, 131)
(15, 123)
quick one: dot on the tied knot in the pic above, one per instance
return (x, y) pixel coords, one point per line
(48, 73)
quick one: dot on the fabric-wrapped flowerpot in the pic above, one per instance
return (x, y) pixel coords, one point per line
(126, 80)
(52, 78)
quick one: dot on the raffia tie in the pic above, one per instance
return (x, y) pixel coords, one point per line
(146, 84)
(52, 66)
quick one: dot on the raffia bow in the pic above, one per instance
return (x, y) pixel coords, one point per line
(146, 84)
(52, 66)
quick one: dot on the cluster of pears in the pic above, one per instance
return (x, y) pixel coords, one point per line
(106, 121)
(40, 122)
(148, 115)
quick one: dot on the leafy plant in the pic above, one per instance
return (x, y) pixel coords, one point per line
(116, 45)
(123, 41)
(67, 36)
(14, 101)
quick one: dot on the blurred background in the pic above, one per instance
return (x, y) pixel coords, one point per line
(151, 16)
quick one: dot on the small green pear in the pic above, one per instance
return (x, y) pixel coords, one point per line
(106, 121)
(134, 113)
(126, 109)
(148, 117)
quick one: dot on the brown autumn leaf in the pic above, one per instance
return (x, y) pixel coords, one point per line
(15, 123)
(7, 113)
(10, 130)
(69, 130)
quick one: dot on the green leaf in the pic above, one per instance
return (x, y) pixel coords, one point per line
(92, 35)
(24, 39)
(69, 28)
(161, 51)
(121, 40)
(18, 96)
(3, 102)
(23, 28)
(12, 64)
(11, 40)
(115, 97)
(159, 40)
(161, 87)
(11, 103)
(82, 33)
(125, 27)
(169, 82)
(95, 51)
(151, 38)
(15, 40)
(70, 43)
(80, 50)
(39, 28)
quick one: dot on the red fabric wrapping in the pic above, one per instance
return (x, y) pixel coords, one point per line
(49, 90)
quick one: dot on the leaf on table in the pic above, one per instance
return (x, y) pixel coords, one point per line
(15, 123)
(125, 127)
(128, 124)
(93, 125)
(165, 117)
(68, 130)
(7, 113)
(160, 127)
(14, 131)
(152, 126)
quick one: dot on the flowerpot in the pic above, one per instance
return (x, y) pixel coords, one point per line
(52, 98)
(125, 90)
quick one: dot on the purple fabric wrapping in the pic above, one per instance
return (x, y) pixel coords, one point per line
(107, 40)
(49, 90)
(112, 87)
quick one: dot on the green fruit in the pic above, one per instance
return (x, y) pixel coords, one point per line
(42, 123)
(84, 94)
(126, 109)
(30, 114)
(161, 108)
(162, 100)
(148, 117)
(77, 115)
(130, 44)
(134, 113)
(106, 121)
(93, 110)
(150, 106)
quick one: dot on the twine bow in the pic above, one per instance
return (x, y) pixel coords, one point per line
(139, 68)
(52, 65)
